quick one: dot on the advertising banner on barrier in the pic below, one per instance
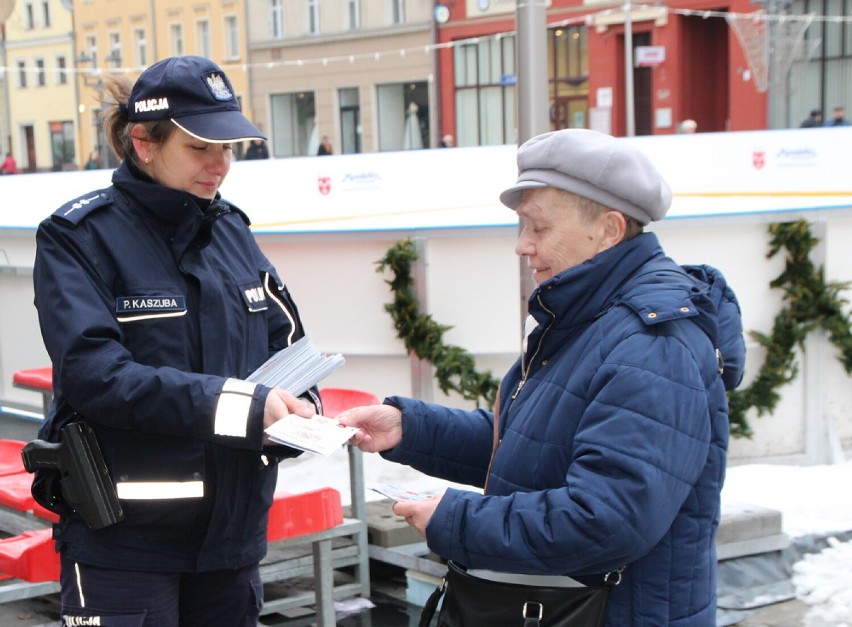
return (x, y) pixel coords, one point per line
(711, 174)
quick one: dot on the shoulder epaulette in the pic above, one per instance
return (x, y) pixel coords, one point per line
(237, 210)
(74, 211)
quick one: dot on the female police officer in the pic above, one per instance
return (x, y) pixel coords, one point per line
(155, 303)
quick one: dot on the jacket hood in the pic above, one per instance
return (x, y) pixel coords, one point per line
(581, 293)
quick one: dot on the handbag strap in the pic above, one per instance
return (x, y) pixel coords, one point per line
(432, 604)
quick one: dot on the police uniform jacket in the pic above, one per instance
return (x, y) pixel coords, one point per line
(154, 305)
(611, 440)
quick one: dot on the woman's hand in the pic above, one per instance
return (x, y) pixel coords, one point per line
(418, 513)
(380, 427)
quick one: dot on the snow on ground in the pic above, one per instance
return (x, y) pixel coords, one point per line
(812, 500)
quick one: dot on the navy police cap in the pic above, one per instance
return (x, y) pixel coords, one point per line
(194, 93)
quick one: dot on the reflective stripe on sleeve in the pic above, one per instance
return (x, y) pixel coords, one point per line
(232, 411)
(151, 490)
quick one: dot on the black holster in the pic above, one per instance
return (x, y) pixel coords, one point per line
(72, 476)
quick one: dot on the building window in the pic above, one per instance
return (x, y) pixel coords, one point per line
(29, 16)
(91, 50)
(818, 77)
(202, 32)
(313, 25)
(569, 74)
(232, 37)
(114, 56)
(62, 144)
(403, 114)
(294, 130)
(353, 14)
(176, 39)
(140, 47)
(61, 70)
(397, 11)
(41, 77)
(276, 19)
(22, 74)
(45, 13)
(350, 120)
(485, 92)
(826, 39)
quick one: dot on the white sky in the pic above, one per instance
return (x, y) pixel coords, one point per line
(812, 500)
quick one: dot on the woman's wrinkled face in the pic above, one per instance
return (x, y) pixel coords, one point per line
(556, 234)
(188, 164)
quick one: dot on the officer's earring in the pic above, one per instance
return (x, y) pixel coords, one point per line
(147, 160)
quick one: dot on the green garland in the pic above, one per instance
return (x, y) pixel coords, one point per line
(812, 304)
(454, 367)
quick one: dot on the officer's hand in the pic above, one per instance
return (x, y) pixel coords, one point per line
(280, 403)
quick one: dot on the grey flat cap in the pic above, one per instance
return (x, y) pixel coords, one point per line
(594, 165)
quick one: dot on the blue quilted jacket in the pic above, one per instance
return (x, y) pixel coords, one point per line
(613, 430)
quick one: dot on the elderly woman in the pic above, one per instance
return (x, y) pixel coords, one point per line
(608, 448)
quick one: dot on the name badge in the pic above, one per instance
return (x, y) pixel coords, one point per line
(143, 307)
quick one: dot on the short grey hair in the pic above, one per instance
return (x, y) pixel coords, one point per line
(592, 209)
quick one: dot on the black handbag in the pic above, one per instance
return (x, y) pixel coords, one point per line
(474, 602)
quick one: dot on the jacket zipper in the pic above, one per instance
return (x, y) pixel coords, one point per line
(524, 373)
(525, 365)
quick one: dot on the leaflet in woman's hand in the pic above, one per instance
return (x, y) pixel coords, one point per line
(317, 434)
(398, 493)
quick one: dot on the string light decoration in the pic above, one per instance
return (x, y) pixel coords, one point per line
(378, 55)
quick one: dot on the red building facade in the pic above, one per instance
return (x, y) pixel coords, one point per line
(692, 66)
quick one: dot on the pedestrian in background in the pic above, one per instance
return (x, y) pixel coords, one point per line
(325, 146)
(687, 126)
(155, 303)
(257, 150)
(813, 120)
(9, 165)
(838, 117)
(93, 162)
(608, 445)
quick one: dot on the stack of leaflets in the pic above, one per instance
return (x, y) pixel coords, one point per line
(296, 368)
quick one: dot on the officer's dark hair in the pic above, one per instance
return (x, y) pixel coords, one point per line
(117, 125)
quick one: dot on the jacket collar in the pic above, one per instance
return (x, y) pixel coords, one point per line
(185, 219)
(579, 294)
(170, 206)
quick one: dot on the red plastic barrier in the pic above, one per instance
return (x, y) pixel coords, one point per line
(30, 556)
(338, 400)
(294, 515)
(16, 493)
(10, 457)
(37, 378)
